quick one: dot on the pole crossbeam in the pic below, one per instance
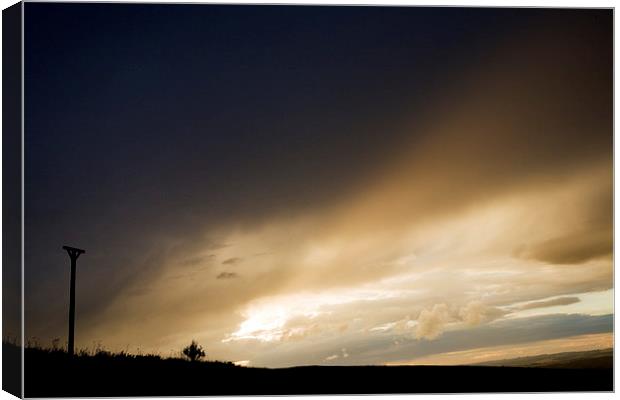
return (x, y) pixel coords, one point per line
(74, 253)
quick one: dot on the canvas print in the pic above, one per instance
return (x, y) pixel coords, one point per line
(287, 200)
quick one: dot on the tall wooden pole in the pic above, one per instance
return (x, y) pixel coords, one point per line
(74, 253)
(72, 308)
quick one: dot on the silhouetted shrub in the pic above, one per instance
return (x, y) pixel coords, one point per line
(194, 352)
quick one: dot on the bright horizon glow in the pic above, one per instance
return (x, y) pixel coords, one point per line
(600, 341)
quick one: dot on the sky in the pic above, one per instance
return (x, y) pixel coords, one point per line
(292, 185)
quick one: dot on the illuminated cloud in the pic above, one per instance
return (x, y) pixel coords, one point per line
(431, 322)
(476, 312)
(560, 301)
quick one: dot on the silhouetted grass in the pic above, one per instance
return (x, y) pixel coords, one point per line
(100, 355)
(52, 373)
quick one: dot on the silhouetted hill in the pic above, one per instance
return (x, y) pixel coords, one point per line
(575, 359)
(54, 374)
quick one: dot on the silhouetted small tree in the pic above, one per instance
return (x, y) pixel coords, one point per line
(194, 352)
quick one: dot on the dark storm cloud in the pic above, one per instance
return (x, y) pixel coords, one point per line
(573, 249)
(168, 120)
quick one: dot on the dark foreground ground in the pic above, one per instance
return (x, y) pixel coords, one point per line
(51, 374)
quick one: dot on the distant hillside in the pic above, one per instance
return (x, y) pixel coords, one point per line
(576, 359)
